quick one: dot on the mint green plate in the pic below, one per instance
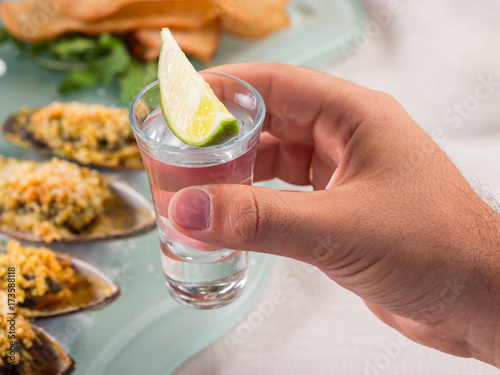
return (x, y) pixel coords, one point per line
(320, 31)
(145, 331)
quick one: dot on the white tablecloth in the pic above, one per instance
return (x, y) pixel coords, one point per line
(432, 56)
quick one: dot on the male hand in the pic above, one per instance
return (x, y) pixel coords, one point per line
(391, 218)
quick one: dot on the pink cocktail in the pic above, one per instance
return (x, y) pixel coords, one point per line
(198, 274)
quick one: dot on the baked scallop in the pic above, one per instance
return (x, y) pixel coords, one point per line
(89, 134)
(58, 200)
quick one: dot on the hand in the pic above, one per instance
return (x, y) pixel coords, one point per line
(391, 218)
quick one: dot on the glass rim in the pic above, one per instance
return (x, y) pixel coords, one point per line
(205, 149)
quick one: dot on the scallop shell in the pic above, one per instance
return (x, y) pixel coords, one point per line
(97, 291)
(50, 358)
(24, 139)
(102, 292)
(131, 215)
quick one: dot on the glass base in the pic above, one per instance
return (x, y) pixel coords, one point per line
(203, 285)
(207, 295)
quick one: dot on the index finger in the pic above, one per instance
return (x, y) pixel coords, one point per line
(298, 99)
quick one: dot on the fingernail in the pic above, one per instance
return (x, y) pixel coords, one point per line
(192, 208)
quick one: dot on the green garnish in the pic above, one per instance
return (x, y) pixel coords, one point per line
(91, 61)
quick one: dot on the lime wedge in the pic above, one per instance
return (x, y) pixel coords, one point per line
(192, 111)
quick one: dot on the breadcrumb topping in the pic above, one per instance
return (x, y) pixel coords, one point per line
(38, 272)
(24, 334)
(86, 133)
(52, 199)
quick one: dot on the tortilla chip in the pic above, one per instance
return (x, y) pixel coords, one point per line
(253, 18)
(85, 10)
(200, 43)
(273, 21)
(142, 52)
(39, 20)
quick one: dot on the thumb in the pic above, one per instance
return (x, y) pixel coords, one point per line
(298, 225)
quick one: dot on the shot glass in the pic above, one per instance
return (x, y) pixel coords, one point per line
(198, 274)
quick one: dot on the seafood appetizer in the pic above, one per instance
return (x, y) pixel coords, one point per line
(90, 134)
(61, 201)
(28, 350)
(48, 284)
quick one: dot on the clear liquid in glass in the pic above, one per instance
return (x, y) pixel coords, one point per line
(197, 274)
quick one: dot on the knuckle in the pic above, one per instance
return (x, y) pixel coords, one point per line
(388, 98)
(246, 223)
(382, 99)
(389, 102)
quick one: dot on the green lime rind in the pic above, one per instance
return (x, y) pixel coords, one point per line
(227, 130)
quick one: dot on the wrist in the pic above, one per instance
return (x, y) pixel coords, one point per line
(482, 305)
(482, 338)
